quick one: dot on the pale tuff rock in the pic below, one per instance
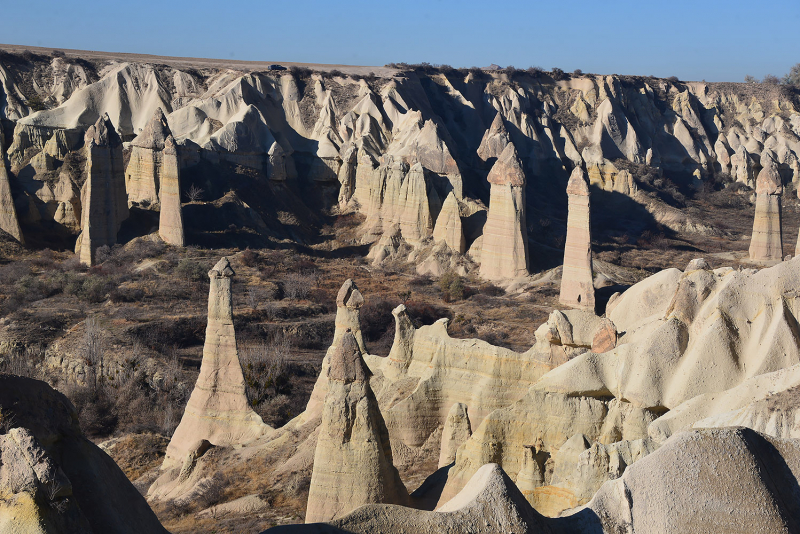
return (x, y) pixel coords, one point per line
(756, 403)
(505, 234)
(144, 172)
(8, 213)
(276, 163)
(413, 211)
(103, 198)
(353, 459)
(742, 167)
(490, 503)
(53, 479)
(732, 470)
(170, 224)
(766, 242)
(494, 140)
(531, 474)
(347, 176)
(697, 263)
(681, 487)
(448, 228)
(68, 198)
(217, 410)
(577, 288)
(456, 431)
(569, 333)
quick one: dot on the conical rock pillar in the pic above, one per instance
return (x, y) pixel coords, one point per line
(217, 411)
(766, 242)
(353, 459)
(577, 287)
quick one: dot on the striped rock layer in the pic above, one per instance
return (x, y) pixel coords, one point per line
(505, 234)
(577, 289)
(766, 242)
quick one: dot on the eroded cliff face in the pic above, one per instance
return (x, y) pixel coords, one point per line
(394, 148)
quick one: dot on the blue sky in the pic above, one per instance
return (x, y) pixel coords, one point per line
(701, 39)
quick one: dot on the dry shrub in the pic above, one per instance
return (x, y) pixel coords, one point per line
(298, 286)
(266, 373)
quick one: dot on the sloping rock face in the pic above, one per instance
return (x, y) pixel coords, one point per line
(739, 481)
(577, 287)
(217, 411)
(766, 242)
(143, 173)
(457, 430)
(505, 235)
(353, 460)
(686, 335)
(494, 140)
(103, 198)
(449, 229)
(170, 222)
(8, 213)
(53, 479)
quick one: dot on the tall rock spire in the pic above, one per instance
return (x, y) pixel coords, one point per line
(146, 165)
(103, 198)
(170, 223)
(577, 288)
(9, 222)
(353, 459)
(505, 234)
(766, 242)
(448, 226)
(217, 411)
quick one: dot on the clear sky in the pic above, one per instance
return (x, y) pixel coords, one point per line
(713, 40)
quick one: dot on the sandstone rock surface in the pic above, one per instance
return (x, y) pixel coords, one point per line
(170, 222)
(353, 459)
(8, 213)
(577, 287)
(217, 411)
(505, 234)
(448, 227)
(103, 198)
(766, 242)
(53, 479)
(143, 173)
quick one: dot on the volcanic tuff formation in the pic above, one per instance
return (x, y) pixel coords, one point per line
(143, 173)
(170, 222)
(448, 227)
(505, 235)
(577, 282)
(681, 487)
(353, 459)
(8, 213)
(217, 411)
(355, 144)
(53, 479)
(766, 242)
(104, 200)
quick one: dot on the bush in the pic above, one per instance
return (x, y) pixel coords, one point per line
(57, 53)
(266, 372)
(297, 286)
(249, 258)
(191, 271)
(577, 72)
(557, 74)
(377, 321)
(452, 287)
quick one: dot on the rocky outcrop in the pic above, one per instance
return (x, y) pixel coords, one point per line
(144, 172)
(217, 412)
(495, 140)
(448, 228)
(103, 198)
(766, 242)
(170, 222)
(8, 213)
(735, 470)
(505, 234)
(577, 288)
(53, 479)
(353, 459)
(457, 430)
